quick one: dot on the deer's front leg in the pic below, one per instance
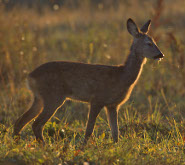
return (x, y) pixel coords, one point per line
(94, 111)
(112, 114)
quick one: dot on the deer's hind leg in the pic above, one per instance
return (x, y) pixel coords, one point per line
(51, 104)
(28, 116)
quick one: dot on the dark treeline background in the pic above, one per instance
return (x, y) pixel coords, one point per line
(67, 3)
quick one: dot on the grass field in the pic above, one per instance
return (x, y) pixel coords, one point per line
(151, 123)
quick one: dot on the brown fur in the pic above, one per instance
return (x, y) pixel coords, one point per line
(99, 85)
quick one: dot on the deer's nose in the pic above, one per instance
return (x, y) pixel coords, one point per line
(160, 55)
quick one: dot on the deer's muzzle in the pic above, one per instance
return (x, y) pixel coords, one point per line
(159, 56)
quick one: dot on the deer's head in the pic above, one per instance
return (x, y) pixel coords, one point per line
(143, 44)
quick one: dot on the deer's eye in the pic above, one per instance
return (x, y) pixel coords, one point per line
(149, 43)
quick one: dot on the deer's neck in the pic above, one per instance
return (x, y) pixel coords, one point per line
(133, 67)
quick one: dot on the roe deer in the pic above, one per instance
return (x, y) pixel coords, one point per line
(99, 85)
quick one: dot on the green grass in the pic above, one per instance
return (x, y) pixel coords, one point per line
(151, 123)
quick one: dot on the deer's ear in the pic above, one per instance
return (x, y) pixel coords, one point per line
(146, 27)
(132, 28)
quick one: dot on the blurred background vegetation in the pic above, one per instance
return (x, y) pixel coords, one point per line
(93, 31)
(34, 32)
